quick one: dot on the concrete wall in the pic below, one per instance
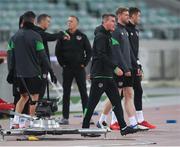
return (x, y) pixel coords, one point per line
(160, 59)
(5, 88)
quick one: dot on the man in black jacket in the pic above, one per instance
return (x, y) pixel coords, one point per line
(102, 74)
(124, 58)
(43, 22)
(134, 15)
(73, 55)
(16, 93)
(25, 52)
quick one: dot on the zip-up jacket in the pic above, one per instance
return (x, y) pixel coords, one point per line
(46, 37)
(73, 52)
(102, 65)
(122, 54)
(26, 52)
(133, 38)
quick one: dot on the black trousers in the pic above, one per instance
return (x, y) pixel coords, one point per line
(138, 92)
(69, 74)
(98, 87)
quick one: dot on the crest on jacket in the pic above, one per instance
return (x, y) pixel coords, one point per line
(100, 85)
(78, 37)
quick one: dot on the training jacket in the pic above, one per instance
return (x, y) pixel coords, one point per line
(133, 38)
(102, 65)
(122, 54)
(46, 37)
(73, 52)
(26, 52)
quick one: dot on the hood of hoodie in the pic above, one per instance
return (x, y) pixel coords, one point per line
(101, 29)
(28, 25)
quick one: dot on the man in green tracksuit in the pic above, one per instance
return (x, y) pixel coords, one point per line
(102, 74)
(25, 53)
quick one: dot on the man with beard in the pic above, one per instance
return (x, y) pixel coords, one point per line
(134, 19)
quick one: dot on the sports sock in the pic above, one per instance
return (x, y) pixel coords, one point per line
(102, 118)
(132, 121)
(140, 117)
(113, 119)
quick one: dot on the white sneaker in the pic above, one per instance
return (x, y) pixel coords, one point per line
(103, 125)
(64, 121)
(140, 127)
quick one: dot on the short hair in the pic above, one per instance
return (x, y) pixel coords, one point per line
(106, 16)
(20, 20)
(75, 17)
(42, 17)
(133, 10)
(121, 10)
(29, 16)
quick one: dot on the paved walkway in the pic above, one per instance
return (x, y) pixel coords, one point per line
(165, 135)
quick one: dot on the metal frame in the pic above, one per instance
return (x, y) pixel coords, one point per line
(52, 131)
(38, 131)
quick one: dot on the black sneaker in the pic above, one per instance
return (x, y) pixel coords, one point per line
(128, 130)
(90, 135)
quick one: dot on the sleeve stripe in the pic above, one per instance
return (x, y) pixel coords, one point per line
(10, 45)
(114, 41)
(39, 46)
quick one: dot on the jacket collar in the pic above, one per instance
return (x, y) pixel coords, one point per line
(120, 25)
(131, 25)
(75, 33)
(38, 28)
(101, 29)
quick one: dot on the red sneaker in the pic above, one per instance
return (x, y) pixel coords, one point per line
(148, 125)
(115, 126)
